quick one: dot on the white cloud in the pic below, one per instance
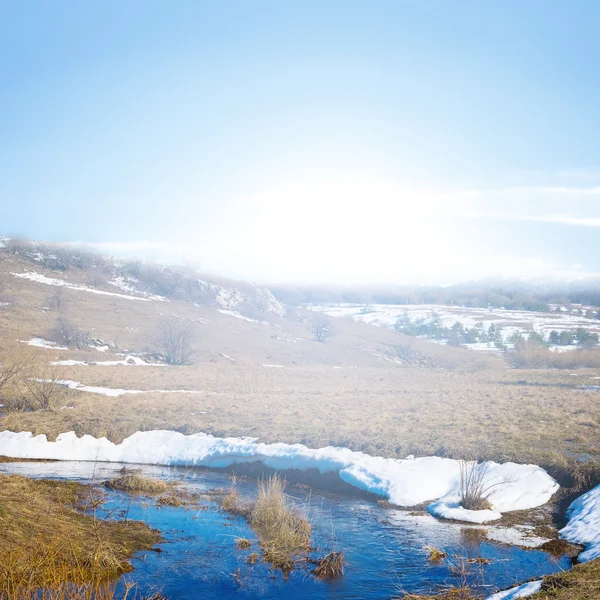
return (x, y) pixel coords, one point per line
(353, 230)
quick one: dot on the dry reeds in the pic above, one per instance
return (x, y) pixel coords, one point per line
(51, 550)
(331, 566)
(135, 482)
(283, 530)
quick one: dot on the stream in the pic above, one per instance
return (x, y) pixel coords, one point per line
(386, 549)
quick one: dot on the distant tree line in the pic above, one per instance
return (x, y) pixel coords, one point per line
(456, 335)
(509, 295)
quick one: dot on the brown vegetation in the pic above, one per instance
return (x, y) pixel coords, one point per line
(48, 541)
(135, 482)
(331, 566)
(284, 531)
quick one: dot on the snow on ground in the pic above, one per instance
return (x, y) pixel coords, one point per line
(231, 298)
(237, 315)
(275, 366)
(39, 278)
(511, 321)
(520, 535)
(402, 482)
(521, 591)
(129, 361)
(42, 343)
(584, 524)
(113, 392)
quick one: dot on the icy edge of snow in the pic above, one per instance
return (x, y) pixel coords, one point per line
(521, 591)
(402, 482)
(584, 524)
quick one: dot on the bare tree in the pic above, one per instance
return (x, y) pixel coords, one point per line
(58, 300)
(174, 340)
(321, 327)
(15, 365)
(44, 386)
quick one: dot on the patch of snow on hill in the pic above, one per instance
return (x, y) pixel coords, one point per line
(42, 343)
(128, 361)
(112, 392)
(232, 299)
(402, 482)
(233, 313)
(584, 524)
(39, 278)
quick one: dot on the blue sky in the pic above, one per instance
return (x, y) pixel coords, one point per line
(312, 141)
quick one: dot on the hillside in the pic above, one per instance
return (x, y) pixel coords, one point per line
(121, 305)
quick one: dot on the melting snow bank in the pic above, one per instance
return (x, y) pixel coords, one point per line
(42, 343)
(584, 524)
(114, 392)
(402, 482)
(521, 591)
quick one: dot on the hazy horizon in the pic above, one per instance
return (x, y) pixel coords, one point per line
(344, 143)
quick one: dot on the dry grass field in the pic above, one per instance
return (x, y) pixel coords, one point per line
(366, 388)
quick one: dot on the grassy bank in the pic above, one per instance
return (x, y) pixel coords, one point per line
(47, 541)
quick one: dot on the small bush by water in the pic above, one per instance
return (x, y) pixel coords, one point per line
(331, 566)
(283, 530)
(135, 482)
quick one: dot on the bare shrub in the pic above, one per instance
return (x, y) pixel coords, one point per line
(67, 334)
(43, 386)
(529, 357)
(174, 341)
(15, 365)
(476, 486)
(321, 327)
(57, 301)
(70, 335)
(97, 278)
(6, 298)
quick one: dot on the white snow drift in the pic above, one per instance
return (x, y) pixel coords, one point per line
(402, 482)
(42, 343)
(113, 392)
(521, 591)
(39, 278)
(584, 524)
(128, 361)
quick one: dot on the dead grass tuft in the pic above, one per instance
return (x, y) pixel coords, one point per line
(136, 482)
(331, 566)
(243, 543)
(283, 530)
(436, 555)
(170, 500)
